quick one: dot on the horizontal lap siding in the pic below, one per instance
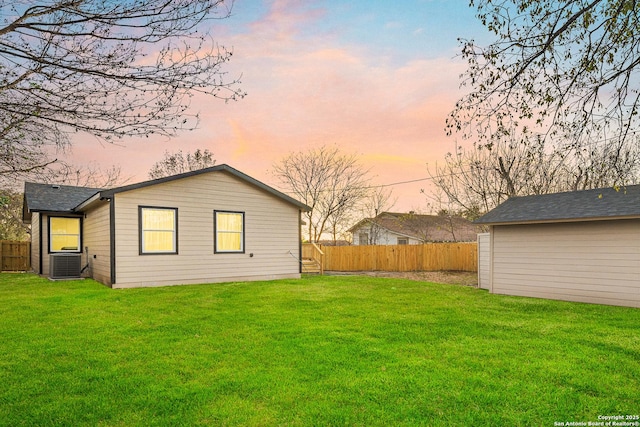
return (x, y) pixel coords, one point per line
(35, 242)
(271, 232)
(596, 262)
(96, 239)
(484, 260)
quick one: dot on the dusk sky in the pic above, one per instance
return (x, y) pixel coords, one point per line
(375, 78)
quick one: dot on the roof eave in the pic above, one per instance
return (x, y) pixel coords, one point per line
(89, 202)
(559, 220)
(217, 168)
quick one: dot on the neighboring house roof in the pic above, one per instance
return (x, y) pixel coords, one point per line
(603, 203)
(432, 228)
(69, 199)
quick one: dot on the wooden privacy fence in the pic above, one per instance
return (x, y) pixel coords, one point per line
(15, 256)
(427, 257)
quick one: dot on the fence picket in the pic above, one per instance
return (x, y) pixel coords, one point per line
(15, 256)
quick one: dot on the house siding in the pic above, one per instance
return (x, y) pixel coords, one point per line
(593, 262)
(382, 237)
(271, 233)
(35, 243)
(97, 242)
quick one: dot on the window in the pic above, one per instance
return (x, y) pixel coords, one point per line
(229, 231)
(158, 230)
(403, 241)
(64, 234)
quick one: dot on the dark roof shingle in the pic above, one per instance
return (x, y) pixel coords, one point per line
(623, 202)
(66, 198)
(433, 228)
(54, 198)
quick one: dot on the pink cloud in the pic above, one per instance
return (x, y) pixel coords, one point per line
(311, 91)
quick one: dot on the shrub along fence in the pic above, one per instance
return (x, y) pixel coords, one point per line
(15, 256)
(427, 257)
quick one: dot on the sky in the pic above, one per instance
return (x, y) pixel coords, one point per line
(376, 78)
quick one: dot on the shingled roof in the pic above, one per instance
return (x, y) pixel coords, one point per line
(217, 168)
(603, 203)
(434, 228)
(53, 198)
(68, 199)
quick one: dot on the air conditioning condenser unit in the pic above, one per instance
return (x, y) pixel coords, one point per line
(65, 266)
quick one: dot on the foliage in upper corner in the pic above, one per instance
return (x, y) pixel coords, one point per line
(566, 70)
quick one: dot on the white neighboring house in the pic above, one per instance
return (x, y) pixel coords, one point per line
(392, 228)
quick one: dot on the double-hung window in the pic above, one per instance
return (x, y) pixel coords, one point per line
(64, 234)
(158, 230)
(229, 231)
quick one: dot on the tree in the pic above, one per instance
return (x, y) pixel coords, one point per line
(110, 69)
(560, 70)
(11, 225)
(326, 180)
(175, 163)
(11, 199)
(474, 180)
(378, 200)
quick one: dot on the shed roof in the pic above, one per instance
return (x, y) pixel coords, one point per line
(584, 205)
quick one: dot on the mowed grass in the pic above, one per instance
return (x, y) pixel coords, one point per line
(316, 351)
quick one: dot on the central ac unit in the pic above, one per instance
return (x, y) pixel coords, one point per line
(65, 266)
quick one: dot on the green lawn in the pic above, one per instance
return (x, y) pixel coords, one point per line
(316, 351)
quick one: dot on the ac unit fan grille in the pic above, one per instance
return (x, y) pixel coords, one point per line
(65, 266)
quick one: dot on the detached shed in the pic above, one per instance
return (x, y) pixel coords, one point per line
(576, 246)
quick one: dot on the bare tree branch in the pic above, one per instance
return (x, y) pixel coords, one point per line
(558, 70)
(111, 69)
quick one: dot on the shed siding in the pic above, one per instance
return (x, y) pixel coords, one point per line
(594, 262)
(35, 242)
(484, 260)
(271, 233)
(96, 240)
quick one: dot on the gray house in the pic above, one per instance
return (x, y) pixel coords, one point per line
(211, 225)
(575, 246)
